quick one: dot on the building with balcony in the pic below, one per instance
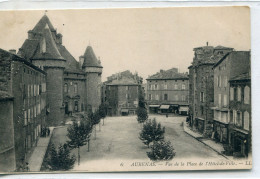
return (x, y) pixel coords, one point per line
(167, 92)
(231, 65)
(240, 135)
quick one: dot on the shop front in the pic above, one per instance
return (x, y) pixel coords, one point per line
(164, 109)
(199, 124)
(183, 110)
(220, 132)
(240, 143)
(124, 112)
(154, 108)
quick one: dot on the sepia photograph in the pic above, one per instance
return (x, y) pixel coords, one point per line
(125, 89)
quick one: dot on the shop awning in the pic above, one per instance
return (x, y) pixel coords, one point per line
(164, 106)
(124, 110)
(154, 106)
(240, 130)
(200, 119)
(184, 108)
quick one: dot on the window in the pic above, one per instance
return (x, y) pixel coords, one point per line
(239, 93)
(246, 95)
(127, 88)
(156, 97)
(183, 98)
(201, 97)
(127, 96)
(225, 81)
(165, 96)
(231, 97)
(246, 120)
(176, 98)
(65, 88)
(29, 115)
(150, 96)
(150, 87)
(238, 119)
(225, 100)
(165, 86)
(219, 100)
(155, 86)
(219, 81)
(201, 110)
(75, 88)
(183, 86)
(175, 86)
(25, 118)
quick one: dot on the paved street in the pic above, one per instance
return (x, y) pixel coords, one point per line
(118, 139)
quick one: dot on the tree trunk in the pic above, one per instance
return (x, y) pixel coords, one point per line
(95, 132)
(78, 156)
(88, 144)
(99, 126)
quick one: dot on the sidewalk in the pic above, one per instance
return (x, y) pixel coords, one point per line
(217, 147)
(36, 159)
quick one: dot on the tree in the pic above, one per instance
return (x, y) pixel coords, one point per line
(151, 132)
(161, 150)
(94, 118)
(78, 136)
(141, 111)
(60, 159)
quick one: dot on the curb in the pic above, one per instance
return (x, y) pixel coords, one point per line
(205, 144)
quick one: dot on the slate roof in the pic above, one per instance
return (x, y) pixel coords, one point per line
(42, 23)
(90, 59)
(123, 82)
(219, 47)
(244, 76)
(168, 74)
(52, 51)
(31, 47)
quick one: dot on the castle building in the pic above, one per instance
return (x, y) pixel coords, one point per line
(201, 81)
(167, 92)
(25, 112)
(70, 86)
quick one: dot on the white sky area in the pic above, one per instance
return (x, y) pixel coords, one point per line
(142, 40)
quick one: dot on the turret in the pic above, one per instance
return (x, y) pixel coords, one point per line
(92, 66)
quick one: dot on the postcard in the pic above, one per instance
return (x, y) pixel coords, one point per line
(126, 89)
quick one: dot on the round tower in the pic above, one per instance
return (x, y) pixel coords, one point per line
(92, 66)
(47, 57)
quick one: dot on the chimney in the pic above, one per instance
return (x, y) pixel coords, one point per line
(207, 43)
(161, 70)
(30, 35)
(13, 51)
(81, 60)
(59, 38)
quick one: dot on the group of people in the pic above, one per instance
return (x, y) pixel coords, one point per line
(45, 132)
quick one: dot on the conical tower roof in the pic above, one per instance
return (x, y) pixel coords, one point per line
(90, 59)
(47, 48)
(39, 27)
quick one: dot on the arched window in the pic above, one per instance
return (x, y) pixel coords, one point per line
(239, 93)
(246, 120)
(75, 88)
(246, 95)
(231, 94)
(65, 87)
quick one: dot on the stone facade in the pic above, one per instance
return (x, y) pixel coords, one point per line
(121, 93)
(167, 92)
(71, 85)
(240, 133)
(27, 84)
(201, 81)
(231, 65)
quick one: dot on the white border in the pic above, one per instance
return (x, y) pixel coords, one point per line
(255, 40)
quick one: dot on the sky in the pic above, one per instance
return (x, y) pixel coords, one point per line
(144, 40)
